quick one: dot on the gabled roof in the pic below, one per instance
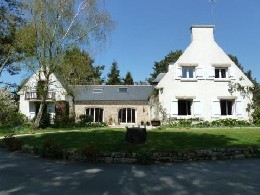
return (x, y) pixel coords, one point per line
(112, 92)
(159, 78)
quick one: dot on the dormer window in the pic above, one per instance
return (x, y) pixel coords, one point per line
(97, 90)
(122, 90)
(188, 72)
(221, 73)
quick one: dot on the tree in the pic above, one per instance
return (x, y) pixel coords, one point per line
(128, 80)
(256, 90)
(10, 21)
(162, 66)
(78, 68)
(114, 75)
(55, 27)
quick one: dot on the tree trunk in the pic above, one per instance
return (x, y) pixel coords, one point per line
(39, 116)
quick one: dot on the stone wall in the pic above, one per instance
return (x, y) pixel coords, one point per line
(111, 111)
(161, 157)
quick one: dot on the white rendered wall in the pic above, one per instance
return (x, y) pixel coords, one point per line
(205, 55)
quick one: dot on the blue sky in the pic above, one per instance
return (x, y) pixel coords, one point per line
(147, 30)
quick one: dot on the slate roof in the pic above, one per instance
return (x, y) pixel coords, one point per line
(111, 92)
(159, 78)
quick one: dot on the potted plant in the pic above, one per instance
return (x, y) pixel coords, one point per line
(155, 122)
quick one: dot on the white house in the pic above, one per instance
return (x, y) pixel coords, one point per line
(29, 101)
(197, 84)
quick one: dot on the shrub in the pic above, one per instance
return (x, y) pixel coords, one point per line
(45, 120)
(61, 113)
(256, 116)
(85, 118)
(144, 157)
(12, 143)
(16, 118)
(52, 150)
(89, 152)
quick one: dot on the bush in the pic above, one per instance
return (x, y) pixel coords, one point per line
(195, 122)
(12, 143)
(85, 118)
(15, 119)
(144, 157)
(256, 116)
(51, 150)
(45, 120)
(90, 152)
(61, 114)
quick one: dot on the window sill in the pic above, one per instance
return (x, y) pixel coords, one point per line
(189, 79)
(221, 79)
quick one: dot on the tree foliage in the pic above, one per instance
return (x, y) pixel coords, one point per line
(55, 27)
(78, 68)
(113, 77)
(256, 90)
(10, 21)
(128, 80)
(9, 114)
(162, 66)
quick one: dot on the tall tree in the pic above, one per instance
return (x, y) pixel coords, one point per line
(114, 75)
(10, 21)
(78, 68)
(162, 66)
(128, 80)
(55, 27)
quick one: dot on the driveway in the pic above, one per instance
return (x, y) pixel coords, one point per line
(25, 174)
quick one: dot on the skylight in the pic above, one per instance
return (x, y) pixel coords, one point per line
(122, 90)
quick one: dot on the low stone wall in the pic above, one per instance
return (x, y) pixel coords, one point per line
(160, 157)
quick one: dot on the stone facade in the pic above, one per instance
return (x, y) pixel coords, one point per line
(111, 110)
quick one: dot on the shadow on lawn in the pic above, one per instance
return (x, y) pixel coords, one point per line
(113, 140)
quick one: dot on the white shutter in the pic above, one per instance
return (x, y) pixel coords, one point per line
(232, 73)
(199, 73)
(240, 108)
(215, 108)
(178, 72)
(211, 72)
(174, 108)
(197, 108)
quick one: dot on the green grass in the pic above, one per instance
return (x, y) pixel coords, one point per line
(112, 140)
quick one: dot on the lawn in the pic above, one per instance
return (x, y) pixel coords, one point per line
(112, 140)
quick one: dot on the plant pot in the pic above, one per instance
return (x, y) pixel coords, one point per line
(156, 123)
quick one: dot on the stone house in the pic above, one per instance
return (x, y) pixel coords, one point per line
(197, 85)
(113, 104)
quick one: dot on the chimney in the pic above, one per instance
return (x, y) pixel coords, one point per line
(202, 33)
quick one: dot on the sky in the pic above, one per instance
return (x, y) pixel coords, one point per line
(147, 30)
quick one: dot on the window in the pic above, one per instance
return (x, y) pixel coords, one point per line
(96, 113)
(226, 107)
(221, 73)
(97, 90)
(188, 72)
(126, 115)
(122, 90)
(184, 107)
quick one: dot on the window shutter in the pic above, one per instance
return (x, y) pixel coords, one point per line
(215, 108)
(197, 108)
(174, 108)
(211, 72)
(240, 108)
(232, 73)
(178, 73)
(199, 73)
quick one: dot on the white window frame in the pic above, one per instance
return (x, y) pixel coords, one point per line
(188, 75)
(219, 69)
